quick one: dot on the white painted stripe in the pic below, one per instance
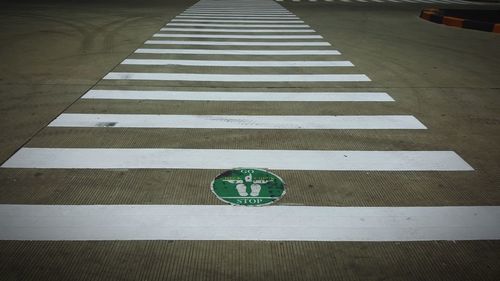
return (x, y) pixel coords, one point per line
(239, 96)
(441, 1)
(224, 14)
(238, 52)
(250, 7)
(251, 3)
(238, 10)
(236, 3)
(236, 43)
(268, 7)
(318, 160)
(241, 25)
(237, 17)
(174, 35)
(238, 21)
(238, 63)
(238, 13)
(237, 77)
(233, 10)
(273, 223)
(228, 6)
(244, 16)
(246, 9)
(239, 5)
(224, 8)
(301, 122)
(238, 30)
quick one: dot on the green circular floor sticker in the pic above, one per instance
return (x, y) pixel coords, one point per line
(248, 187)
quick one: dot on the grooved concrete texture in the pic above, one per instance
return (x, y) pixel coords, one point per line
(52, 52)
(232, 260)
(448, 78)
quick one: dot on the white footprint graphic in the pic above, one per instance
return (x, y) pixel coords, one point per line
(242, 189)
(255, 189)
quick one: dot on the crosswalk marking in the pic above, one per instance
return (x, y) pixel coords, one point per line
(224, 36)
(279, 223)
(239, 10)
(238, 96)
(237, 77)
(182, 222)
(317, 160)
(245, 13)
(245, 26)
(240, 52)
(237, 43)
(237, 17)
(232, 63)
(237, 21)
(323, 122)
(238, 30)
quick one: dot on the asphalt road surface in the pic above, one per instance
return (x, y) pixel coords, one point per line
(116, 116)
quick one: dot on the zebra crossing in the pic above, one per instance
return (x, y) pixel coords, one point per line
(250, 45)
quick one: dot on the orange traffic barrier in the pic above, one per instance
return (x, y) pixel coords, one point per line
(451, 21)
(496, 28)
(426, 15)
(437, 16)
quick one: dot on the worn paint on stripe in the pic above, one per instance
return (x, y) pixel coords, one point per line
(239, 96)
(225, 30)
(275, 223)
(239, 52)
(237, 77)
(238, 63)
(235, 43)
(300, 122)
(318, 160)
(232, 36)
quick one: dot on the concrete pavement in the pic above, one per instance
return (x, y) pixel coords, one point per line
(444, 77)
